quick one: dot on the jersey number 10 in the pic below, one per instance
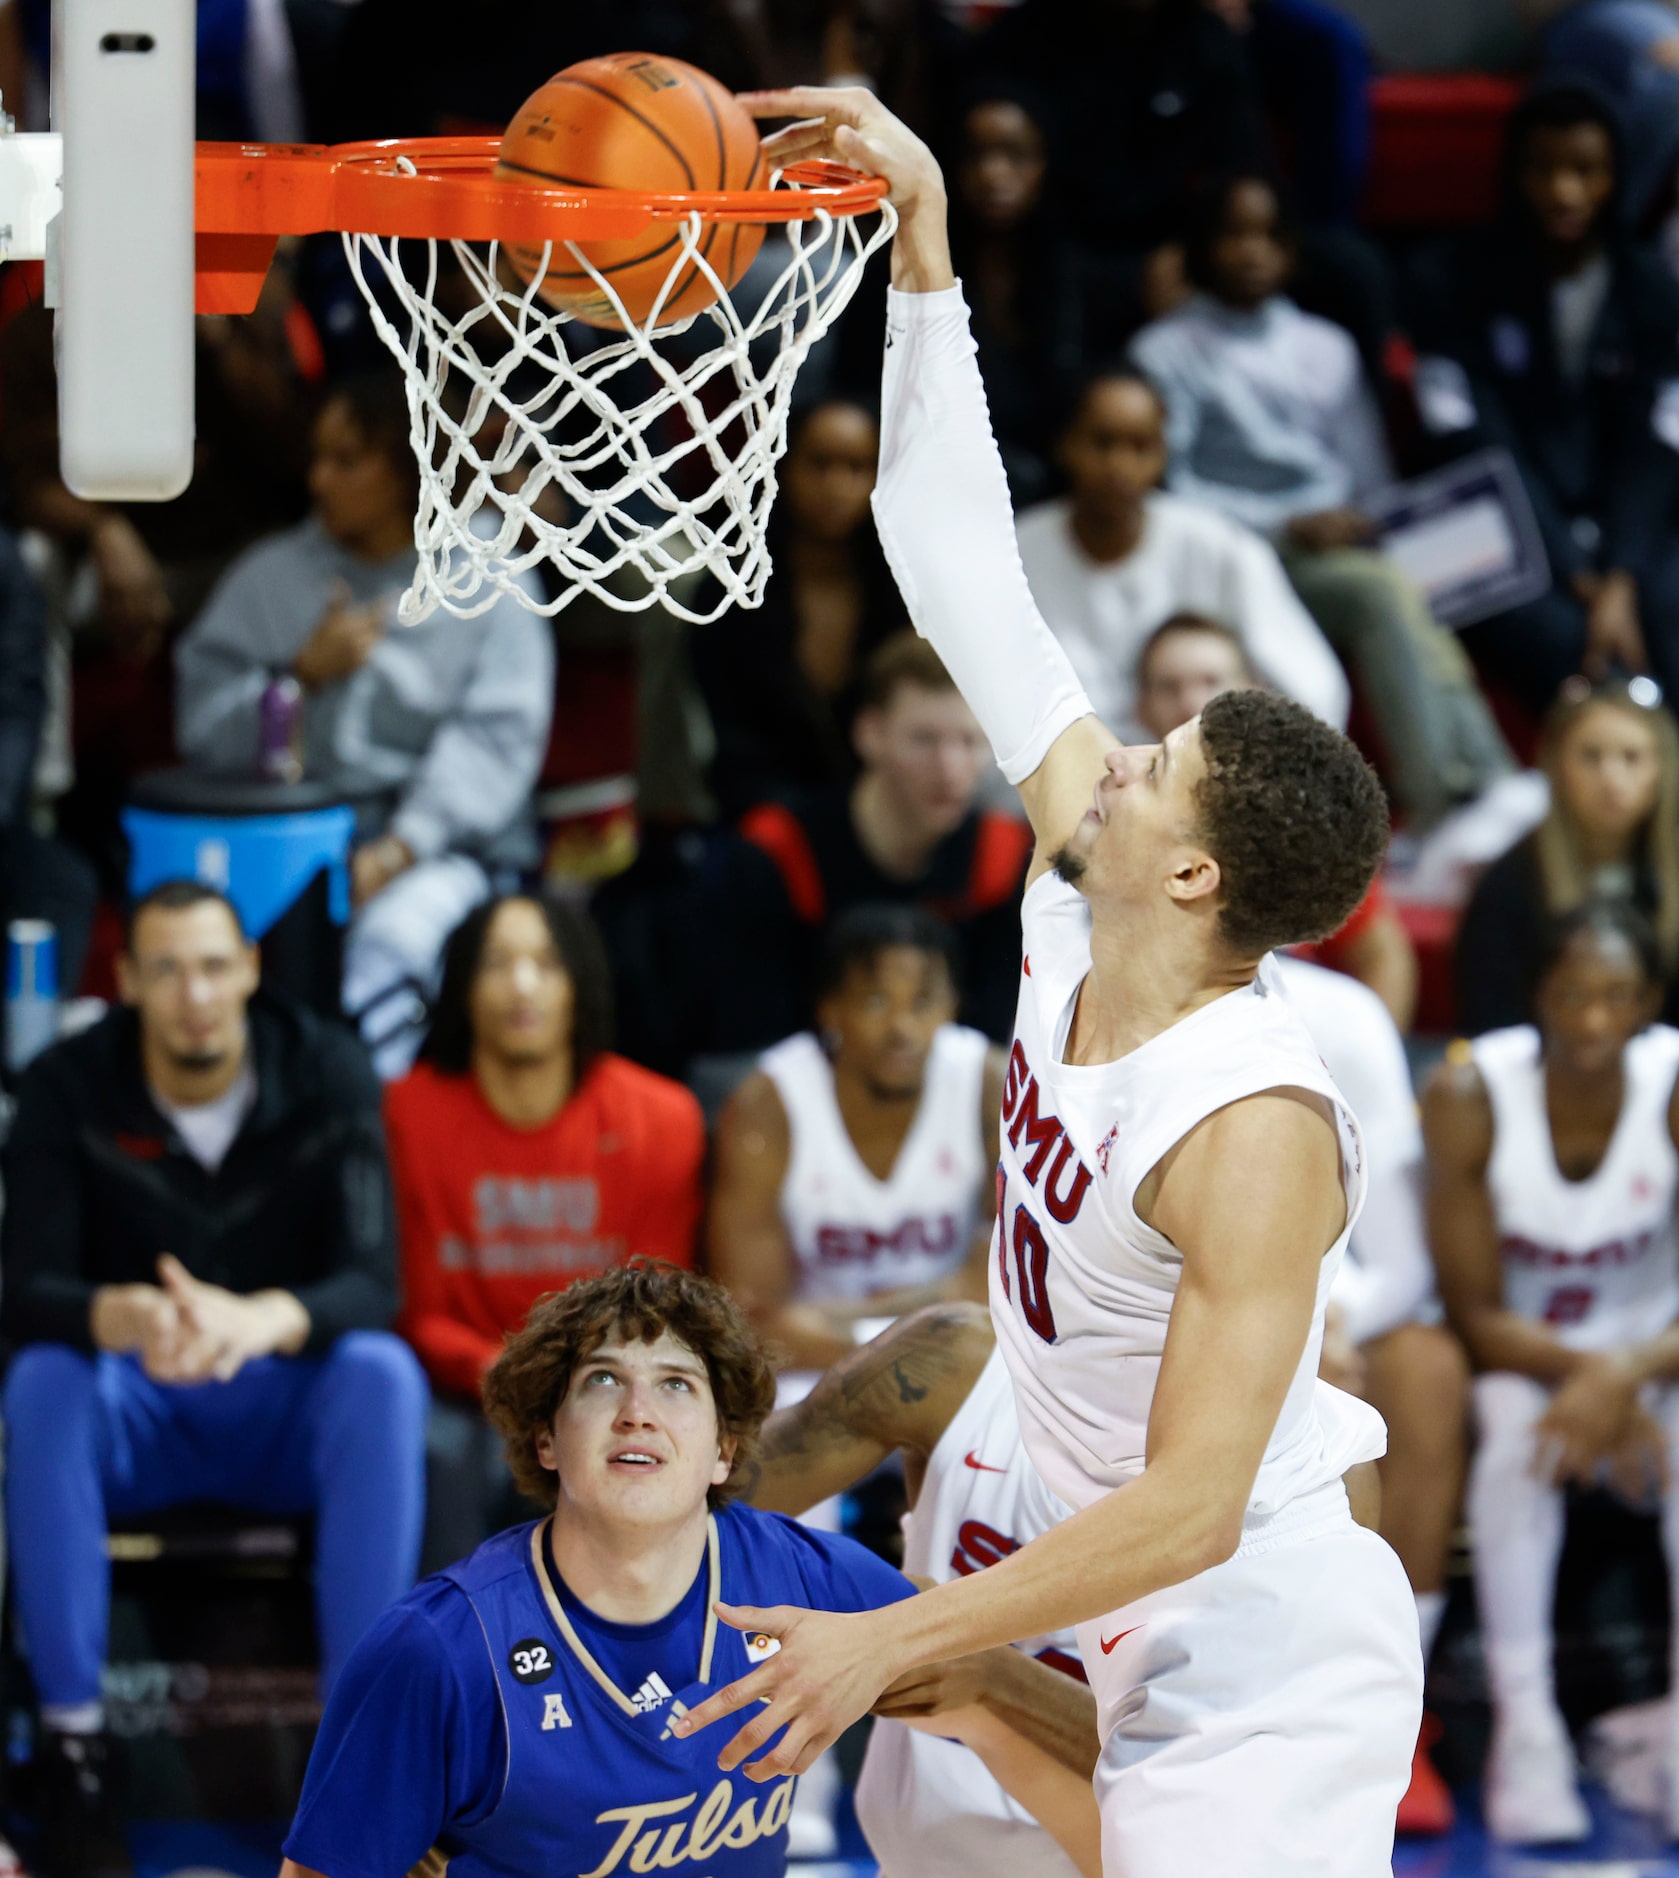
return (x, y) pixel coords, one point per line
(1024, 1237)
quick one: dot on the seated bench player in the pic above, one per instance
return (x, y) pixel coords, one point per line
(933, 1387)
(854, 1167)
(1553, 1153)
(512, 1714)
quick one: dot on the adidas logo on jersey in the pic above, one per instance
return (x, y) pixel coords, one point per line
(651, 1695)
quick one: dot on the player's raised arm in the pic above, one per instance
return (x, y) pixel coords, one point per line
(941, 501)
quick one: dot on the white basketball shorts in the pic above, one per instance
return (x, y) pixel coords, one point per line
(1260, 1719)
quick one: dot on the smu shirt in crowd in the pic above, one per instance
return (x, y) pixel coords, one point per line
(492, 1217)
(490, 1721)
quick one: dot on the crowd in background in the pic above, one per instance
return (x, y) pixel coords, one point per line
(587, 1035)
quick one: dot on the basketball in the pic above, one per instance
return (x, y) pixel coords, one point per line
(632, 121)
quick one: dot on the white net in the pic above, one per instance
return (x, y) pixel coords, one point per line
(631, 462)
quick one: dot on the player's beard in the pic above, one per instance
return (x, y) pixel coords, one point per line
(1069, 866)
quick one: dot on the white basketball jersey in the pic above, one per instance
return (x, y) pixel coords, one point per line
(928, 1806)
(1081, 1288)
(853, 1235)
(1597, 1260)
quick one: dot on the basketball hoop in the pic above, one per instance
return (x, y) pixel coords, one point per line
(632, 461)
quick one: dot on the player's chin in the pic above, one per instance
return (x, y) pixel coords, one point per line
(1072, 859)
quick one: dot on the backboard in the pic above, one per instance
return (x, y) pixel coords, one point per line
(120, 252)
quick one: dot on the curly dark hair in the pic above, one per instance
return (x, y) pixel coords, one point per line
(448, 1040)
(1293, 815)
(638, 1301)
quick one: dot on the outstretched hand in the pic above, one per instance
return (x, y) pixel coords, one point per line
(846, 124)
(826, 1675)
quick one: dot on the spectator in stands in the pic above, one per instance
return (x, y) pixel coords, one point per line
(1184, 664)
(1553, 337)
(907, 830)
(1269, 418)
(436, 731)
(1115, 556)
(151, 563)
(1382, 1338)
(1631, 49)
(1552, 1183)
(198, 1263)
(525, 1155)
(854, 1166)
(781, 683)
(1149, 96)
(1027, 287)
(1611, 753)
(1042, 303)
(40, 878)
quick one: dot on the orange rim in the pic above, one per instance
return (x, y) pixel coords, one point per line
(452, 191)
(248, 195)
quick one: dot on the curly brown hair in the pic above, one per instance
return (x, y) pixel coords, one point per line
(1293, 815)
(638, 1302)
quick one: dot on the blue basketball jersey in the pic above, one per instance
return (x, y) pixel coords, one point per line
(477, 1729)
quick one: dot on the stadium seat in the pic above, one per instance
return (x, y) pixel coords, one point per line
(1437, 139)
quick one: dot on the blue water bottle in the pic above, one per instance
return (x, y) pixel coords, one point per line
(31, 990)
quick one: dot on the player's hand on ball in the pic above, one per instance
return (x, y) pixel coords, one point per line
(825, 1676)
(846, 124)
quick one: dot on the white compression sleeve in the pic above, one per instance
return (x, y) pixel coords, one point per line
(941, 504)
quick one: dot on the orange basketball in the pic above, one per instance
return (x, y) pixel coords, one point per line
(634, 121)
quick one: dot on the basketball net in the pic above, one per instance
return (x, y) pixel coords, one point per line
(631, 462)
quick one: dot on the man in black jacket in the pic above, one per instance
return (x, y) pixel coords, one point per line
(1555, 336)
(198, 1258)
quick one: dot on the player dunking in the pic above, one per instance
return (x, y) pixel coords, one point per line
(1178, 1178)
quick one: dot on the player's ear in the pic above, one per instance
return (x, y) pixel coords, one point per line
(1194, 875)
(545, 1450)
(727, 1448)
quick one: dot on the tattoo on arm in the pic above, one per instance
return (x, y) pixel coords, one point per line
(896, 1392)
(913, 1375)
(908, 1391)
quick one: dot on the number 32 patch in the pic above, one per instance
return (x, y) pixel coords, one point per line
(531, 1660)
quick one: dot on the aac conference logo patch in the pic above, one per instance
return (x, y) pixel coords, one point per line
(759, 1645)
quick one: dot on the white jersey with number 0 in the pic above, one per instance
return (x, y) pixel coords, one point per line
(853, 1235)
(1597, 1259)
(928, 1806)
(1081, 1288)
